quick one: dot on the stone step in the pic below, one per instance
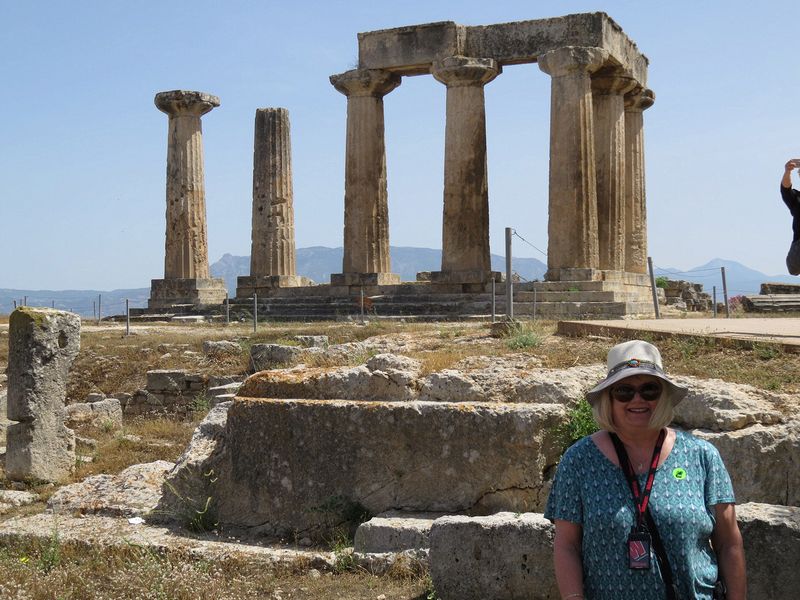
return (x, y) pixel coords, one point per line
(559, 310)
(577, 296)
(394, 531)
(772, 303)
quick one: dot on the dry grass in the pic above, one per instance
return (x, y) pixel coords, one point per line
(49, 570)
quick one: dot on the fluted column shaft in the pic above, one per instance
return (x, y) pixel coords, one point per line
(366, 208)
(572, 224)
(636, 102)
(609, 138)
(465, 222)
(273, 246)
(186, 245)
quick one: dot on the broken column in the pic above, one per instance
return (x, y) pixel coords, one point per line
(466, 257)
(272, 255)
(636, 102)
(366, 207)
(42, 345)
(186, 275)
(572, 227)
(609, 146)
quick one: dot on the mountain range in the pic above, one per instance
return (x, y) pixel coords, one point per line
(318, 262)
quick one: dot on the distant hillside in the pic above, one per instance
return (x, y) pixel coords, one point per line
(318, 262)
(742, 280)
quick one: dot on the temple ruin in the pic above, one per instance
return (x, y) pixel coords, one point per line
(599, 90)
(597, 234)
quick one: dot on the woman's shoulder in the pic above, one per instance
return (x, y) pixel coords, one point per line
(580, 450)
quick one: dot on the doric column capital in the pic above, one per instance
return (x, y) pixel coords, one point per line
(183, 102)
(365, 82)
(571, 60)
(459, 71)
(640, 98)
(612, 84)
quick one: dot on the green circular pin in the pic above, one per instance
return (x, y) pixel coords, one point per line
(679, 473)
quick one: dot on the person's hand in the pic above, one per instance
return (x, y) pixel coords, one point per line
(793, 163)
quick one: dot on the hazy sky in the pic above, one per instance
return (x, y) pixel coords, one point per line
(83, 148)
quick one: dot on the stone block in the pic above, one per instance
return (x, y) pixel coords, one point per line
(769, 533)
(190, 486)
(165, 293)
(764, 462)
(161, 380)
(133, 492)
(721, 406)
(465, 277)
(411, 48)
(312, 341)
(228, 388)
(364, 279)
(504, 556)
(42, 345)
(510, 556)
(394, 532)
(269, 356)
(376, 456)
(221, 348)
(102, 413)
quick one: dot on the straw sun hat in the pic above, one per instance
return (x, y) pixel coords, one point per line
(635, 358)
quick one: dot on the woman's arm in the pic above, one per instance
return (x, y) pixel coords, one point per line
(727, 542)
(568, 561)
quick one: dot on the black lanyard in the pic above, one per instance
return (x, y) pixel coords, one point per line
(640, 497)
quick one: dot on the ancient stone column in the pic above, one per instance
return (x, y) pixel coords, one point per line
(465, 223)
(609, 146)
(636, 102)
(366, 209)
(273, 254)
(42, 343)
(572, 224)
(186, 277)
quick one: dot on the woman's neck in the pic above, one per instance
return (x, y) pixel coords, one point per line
(639, 438)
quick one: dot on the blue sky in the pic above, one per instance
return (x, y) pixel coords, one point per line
(83, 154)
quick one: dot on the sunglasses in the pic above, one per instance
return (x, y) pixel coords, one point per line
(650, 391)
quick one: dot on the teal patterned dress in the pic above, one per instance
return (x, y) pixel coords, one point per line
(590, 491)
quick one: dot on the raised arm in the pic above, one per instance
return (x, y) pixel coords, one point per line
(787, 173)
(727, 541)
(568, 561)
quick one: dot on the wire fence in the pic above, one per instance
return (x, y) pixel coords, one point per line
(95, 306)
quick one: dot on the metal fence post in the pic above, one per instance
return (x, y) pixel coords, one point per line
(725, 294)
(714, 306)
(255, 311)
(362, 303)
(227, 309)
(127, 317)
(653, 286)
(509, 282)
(534, 301)
(493, 299)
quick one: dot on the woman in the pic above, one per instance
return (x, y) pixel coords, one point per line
(606, 545)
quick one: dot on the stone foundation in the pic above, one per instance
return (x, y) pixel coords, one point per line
(199, 292)
(247, 285)
(308, 466)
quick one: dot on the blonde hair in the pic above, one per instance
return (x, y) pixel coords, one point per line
(662, 415)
